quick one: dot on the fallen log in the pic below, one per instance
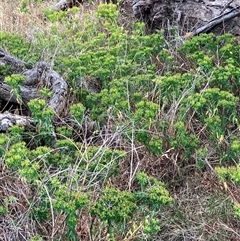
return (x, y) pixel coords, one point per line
(8, 120)
(66, 4)
(36, 77)
(41, 75)
(195, 16)
(218, 20)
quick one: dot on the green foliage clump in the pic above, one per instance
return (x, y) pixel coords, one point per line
(14, 80)
(153, 192)
(15, 44)
(114, 205)
(173, 86)
(78, 110)
(116, 208)
(69, 203)
(16, 155)
(184, 139)
(212, 97)
(236, 208)
(19, 47)
(232, 173)
(42, 115)
(3, 143)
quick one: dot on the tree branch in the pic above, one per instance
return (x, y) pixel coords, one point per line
(218, 20)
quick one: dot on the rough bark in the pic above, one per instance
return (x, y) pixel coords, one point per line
(7, 120)
(42, 75)
(37, 77)
(65, 4)
(196, 16)
(223, 18)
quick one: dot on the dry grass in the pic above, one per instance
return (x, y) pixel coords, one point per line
(200, 216)
(14, 20)
(15, 193)
(202, 208)
(27, 23)
(19, 22)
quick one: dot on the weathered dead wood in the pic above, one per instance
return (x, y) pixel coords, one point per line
(37, 77)
(7, 120)
(66, 4)
(41, 75)
(196, 16)
(218, 20)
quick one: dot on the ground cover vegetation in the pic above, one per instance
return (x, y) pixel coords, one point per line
(162, 162)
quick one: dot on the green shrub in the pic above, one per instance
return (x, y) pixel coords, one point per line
(122, 210)
(114, 206)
